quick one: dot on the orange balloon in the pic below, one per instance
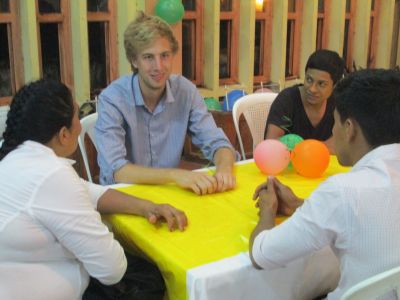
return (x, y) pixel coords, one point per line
(310, 158)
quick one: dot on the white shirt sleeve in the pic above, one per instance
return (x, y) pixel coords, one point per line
(95, 191)
(63, 205)
(309, 229)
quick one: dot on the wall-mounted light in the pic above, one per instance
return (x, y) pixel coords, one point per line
(259, 5)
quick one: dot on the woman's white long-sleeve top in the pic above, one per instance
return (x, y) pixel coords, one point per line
(51, 236)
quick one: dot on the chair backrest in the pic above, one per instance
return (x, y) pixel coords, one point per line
(3, 118)
(376, 286)
(87, 128)
(255, 108)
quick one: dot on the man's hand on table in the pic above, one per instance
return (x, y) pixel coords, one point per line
(175, 218)
(199, 182)
(224, 160)
(273, 190)
(226, 180)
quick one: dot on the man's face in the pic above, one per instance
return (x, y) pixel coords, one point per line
(318, 86)
(340, 141)
(154, 65)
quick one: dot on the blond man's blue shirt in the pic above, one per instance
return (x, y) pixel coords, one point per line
(127, 132)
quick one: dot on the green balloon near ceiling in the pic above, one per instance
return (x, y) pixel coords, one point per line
(170, 11)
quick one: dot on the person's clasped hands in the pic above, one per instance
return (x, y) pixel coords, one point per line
(203, 183)
(276, 196)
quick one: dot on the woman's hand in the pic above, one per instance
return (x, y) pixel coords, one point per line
(174, 217)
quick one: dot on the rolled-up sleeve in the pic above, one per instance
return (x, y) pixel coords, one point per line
(110, 137)
(203, 130)
(95, 191)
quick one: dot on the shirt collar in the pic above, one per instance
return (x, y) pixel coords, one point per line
(385, 151)
(138, 97)
(47, 150)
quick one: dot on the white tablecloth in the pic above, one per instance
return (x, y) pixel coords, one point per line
(235, 278)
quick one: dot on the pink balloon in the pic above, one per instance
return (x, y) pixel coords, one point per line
(264, 90)
(271, 156)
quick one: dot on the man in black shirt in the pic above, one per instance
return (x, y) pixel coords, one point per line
(307, 110)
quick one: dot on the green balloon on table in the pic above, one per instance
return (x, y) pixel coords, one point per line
(291, 140)
(212, 104)
(170, 11)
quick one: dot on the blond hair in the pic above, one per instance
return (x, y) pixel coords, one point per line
(142, 32)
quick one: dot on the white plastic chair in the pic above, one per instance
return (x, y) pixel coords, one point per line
(255, 108)
(376, 286)
(87, 128)
(3, 118)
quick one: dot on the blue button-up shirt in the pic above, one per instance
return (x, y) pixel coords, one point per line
(127, 132)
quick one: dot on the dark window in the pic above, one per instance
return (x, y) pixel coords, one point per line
(50, 51)
(189, 49)
(224, 48)
(5, 68)
(97, 5)
(49, 6)
(321, 6)
(289, 48)
(348, 6)
(5, 6)
(225, 5)
(97, 56)
(346, 34)
(189, 4)
(258, 48)
(192, 41)
(292, 6)
(320, 30)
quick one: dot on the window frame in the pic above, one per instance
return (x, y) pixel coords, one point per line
(322, 37)
(233, 43)
(11, 19)
(197, 41)
(266, 42)
(349, 16)
(294, 50)
(373, 34)
(110, 29)
(63, 21)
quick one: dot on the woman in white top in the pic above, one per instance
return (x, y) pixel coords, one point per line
(51, 234)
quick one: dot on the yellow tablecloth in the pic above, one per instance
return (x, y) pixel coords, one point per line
(219, 224)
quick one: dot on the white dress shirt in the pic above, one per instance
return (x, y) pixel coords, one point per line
(51, 236)
(357, 214)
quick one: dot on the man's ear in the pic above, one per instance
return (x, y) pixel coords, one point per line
(352, 130)
(133, 62)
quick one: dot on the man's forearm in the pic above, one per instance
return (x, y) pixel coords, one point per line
(131, 173)
(266, 221)
(224, 158)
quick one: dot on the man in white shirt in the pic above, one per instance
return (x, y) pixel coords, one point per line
(357, 213)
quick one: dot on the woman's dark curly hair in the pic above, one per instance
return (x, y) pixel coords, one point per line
(37, 112)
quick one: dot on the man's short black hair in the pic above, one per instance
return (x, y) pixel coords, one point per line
(372, 99)
(328, 61)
